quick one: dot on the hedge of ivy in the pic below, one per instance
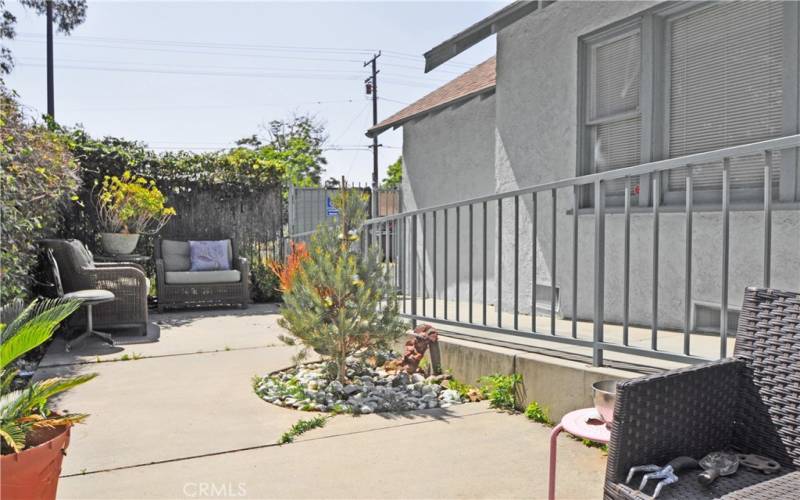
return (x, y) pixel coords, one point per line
(39, 177)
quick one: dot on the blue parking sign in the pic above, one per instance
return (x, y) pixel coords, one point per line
(330, 210)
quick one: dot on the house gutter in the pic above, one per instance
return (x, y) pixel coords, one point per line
(479, 31)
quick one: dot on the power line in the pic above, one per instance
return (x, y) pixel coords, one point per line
(236, 46)
(211, 106)
(321, 76)
(135, 65)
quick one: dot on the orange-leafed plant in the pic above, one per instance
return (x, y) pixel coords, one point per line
(287, 271)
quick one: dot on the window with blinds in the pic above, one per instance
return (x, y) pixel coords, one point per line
(614, 105)
(725, 88)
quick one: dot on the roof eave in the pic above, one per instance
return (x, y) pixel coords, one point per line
(376, 131)
(478, 32)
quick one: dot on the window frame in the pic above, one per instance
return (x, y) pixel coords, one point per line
(653, 25)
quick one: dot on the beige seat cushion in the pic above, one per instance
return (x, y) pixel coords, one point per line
(202, 277)
(175, 255)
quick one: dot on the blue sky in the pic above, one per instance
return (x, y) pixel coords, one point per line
(199, 75)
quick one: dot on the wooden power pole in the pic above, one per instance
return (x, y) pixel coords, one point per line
(50, 86)
(372, 88)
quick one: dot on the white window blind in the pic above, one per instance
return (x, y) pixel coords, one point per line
(614, 101)
(726, 70)
(617, 70)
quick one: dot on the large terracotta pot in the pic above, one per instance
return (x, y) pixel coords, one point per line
(119, 243)
(33, 473)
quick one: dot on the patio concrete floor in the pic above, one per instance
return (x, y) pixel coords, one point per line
(181, 421)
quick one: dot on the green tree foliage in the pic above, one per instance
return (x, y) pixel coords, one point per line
(67, 14)
(334, 304)
(293, 155)
(394, 174)
(38, 175)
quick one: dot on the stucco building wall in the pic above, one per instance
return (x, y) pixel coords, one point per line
(448, 156)
(536, 141)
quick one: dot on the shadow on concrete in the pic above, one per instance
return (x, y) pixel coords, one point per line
(442, 414)
(181, 317)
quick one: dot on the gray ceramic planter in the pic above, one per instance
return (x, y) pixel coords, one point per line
(118, 243)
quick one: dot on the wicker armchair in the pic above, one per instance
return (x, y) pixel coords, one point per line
(128, 283)
(179, 287)
(749, 403)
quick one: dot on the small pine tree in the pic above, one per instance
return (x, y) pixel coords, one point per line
(341, 300)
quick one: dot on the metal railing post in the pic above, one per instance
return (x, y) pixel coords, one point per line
(414, 270)
(723, 305)
(599, 270)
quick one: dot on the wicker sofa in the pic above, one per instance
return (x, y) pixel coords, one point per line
(127, 281)
(749, 403)
(179, 287)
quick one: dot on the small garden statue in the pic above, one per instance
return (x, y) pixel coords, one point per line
(424, 336)
(341, 301)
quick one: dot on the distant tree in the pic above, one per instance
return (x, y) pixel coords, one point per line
(394, 174)
(332, 183)
(302, 137)
(67, 15)
(295, 145)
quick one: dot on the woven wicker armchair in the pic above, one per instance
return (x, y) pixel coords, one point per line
(127, 281)
(749, 403)
(179, 287)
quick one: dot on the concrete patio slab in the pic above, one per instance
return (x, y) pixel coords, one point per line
(181, 421)
(181, 332)
(469, 452)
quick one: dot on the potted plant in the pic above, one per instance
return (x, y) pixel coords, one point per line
(127, 207)
(32, 436)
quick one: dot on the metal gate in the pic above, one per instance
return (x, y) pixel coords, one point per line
(311, 206)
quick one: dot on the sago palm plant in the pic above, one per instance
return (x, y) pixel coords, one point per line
(25, 410)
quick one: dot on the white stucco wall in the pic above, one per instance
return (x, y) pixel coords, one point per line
(448, 156)
(536, 137)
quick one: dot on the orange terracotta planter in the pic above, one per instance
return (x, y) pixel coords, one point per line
(33, 473)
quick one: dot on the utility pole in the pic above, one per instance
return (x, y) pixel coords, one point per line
(50, 87)
(372, 88)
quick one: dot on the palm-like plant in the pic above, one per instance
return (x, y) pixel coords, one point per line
(25, 410)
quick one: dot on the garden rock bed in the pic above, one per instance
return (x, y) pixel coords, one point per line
(369, 389)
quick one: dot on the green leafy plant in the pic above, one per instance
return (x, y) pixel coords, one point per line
(38, 176)
(394, 174)
(264, 285)
(25, 410)
(501, 390)
(341, 300)
(537, 413)
(302, 426)
(131, 203)
(595, 444)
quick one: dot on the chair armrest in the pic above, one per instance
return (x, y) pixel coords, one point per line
(241, 265)
(116, 277)
(689, 411)
(160, 276)
(120, 264)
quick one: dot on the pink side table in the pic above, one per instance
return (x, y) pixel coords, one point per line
(583, 423)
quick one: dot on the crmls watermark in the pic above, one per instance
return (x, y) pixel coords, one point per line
(214, 490)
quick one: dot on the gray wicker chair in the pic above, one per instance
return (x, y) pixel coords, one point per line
(749, 403)
(178, 287)
(127, 281)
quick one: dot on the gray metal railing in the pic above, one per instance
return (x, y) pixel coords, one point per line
(411, 240)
